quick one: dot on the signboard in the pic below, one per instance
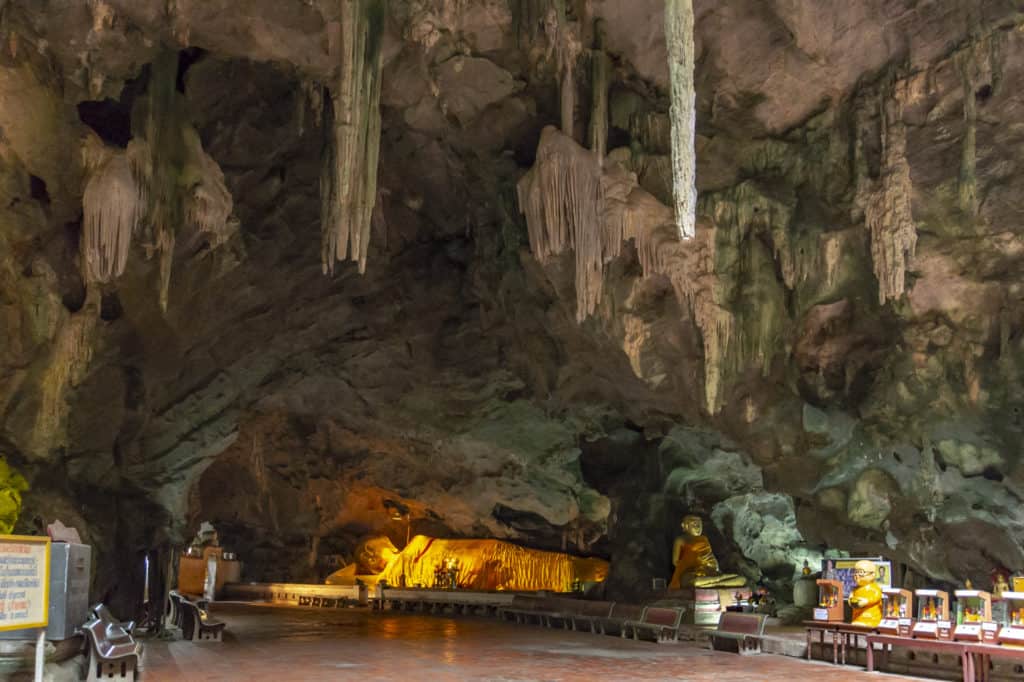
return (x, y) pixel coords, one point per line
(24, 582)
(905, 624)
(842, 570)
(925, 627)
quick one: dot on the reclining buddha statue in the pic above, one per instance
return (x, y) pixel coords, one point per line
(475, 564)
(696, 565)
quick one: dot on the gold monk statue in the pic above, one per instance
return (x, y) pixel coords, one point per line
(696, 565)
(866, 598)
(477, 564)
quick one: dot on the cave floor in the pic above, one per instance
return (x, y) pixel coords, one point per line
(281, 643)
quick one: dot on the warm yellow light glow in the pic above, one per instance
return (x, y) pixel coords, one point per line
(491, 565)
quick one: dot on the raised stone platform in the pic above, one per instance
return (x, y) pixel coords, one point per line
(297, 594)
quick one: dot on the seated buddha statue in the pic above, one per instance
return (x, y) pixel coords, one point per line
(696, 565)
(866, 598)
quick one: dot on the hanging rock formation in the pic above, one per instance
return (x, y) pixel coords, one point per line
(679, 26)
(348, 185)
(844, 322)
(113, 205)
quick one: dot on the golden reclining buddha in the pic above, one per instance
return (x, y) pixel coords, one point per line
(481, 564)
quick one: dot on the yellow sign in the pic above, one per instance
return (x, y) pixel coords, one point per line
(24, 582)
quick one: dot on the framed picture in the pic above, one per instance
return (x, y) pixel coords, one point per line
(842, 570)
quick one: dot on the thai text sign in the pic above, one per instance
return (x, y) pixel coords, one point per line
(24, 582)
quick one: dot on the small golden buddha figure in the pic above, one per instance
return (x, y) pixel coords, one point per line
(1000, 586)
(866, 598)
(806, 570)
(695, 563)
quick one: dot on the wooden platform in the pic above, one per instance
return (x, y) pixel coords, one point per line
(297, 594)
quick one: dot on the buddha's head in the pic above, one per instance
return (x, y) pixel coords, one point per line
(864, 572)
(372, 554)
(692, 525)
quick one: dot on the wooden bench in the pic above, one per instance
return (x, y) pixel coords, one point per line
(113, 654)
(740, 631)
(197, 625)
(527, 609)
(662, 622)
(172, 619)
(618, 615)
(588, 612)
(103, 613)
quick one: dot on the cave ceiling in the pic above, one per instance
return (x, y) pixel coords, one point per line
(860, 234)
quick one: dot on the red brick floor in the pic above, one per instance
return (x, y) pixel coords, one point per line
(279, 643)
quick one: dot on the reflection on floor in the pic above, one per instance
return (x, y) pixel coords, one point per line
(282, 643)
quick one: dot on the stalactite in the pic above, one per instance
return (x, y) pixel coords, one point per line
(600, 68)
(310, 98)
(348, 185)
(527, 17)
(565, 45)
(183, 185)
(562, 200)
(887, 209)
(980, 66)
(679, 25)
(113, 204)
(69, 360)
(832, 255)
(164, 136)
(967, 185)
(571, 203)
(207, 202)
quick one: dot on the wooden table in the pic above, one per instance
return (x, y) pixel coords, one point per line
(962, 649)
(984, 653)
(843, 634)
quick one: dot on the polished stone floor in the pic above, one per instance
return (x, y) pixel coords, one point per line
(280, 643)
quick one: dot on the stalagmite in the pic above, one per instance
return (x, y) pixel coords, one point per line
(562, 200)
(113, 205)
(679, 39)
(600, 69)
(348, 184)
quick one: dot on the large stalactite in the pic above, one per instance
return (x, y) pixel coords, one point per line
(679, 38)
(348, 184)
(113, 206)
(563, 203)
(165, 139)
(599, 83)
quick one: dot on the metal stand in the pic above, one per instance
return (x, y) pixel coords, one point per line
(40, 654)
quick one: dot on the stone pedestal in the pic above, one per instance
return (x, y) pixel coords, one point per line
(705, 606)
(805, 592)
